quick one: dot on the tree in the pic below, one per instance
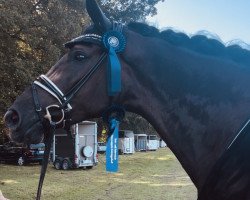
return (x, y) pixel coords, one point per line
(137, 124)
(32, 35)
(132, 10)
(33, 32)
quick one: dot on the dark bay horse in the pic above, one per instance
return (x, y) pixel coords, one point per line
(194, 91)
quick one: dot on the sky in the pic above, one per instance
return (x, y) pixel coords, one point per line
(229, 19)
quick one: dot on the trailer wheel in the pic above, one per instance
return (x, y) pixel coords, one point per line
(66, 164)
(57, 164)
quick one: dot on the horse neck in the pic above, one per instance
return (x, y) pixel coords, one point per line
(195, 103)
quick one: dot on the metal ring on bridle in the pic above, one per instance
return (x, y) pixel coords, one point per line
(49, 117)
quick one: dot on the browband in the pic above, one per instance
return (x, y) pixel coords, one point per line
(86, 38)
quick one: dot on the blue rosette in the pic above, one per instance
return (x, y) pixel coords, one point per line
(114, 42)
(114, 39)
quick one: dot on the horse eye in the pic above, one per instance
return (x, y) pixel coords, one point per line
(79, 56)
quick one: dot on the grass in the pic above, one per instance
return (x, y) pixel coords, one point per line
(142, 176)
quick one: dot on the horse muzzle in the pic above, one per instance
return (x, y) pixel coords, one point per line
(12, 119)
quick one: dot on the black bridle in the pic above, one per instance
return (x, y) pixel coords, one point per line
(57, 115)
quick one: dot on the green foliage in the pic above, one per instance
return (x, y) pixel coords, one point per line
(32, 36)
(33, 33)
(126, 11)
(137, 124)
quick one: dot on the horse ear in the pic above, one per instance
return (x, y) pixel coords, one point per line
(97, 16)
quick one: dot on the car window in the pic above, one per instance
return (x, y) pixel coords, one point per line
(39, 146)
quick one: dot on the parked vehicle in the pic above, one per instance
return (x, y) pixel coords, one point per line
(140, 142)
(101, 147)
(77, 150)
(152, 142)
(10, 152)
(126, 142)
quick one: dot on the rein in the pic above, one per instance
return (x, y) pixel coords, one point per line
(233, 166)
(55, 115)
(47, 140)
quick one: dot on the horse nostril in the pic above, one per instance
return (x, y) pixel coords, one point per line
(12, 119)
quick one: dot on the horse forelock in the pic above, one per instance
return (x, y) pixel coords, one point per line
(202, 43)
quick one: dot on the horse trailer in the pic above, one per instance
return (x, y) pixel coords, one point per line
(78, 149)
(126, 142)
(140, 142)
(162, 143)
(152, 142)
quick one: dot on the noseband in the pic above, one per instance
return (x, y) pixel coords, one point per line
(57, 115)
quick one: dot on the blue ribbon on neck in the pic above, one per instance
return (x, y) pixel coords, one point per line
(114, 87)
(112, 146)
(114, 42)
(114, 73)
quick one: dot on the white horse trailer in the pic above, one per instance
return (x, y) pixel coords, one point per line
(152, 142)
(126, 142)
(140, 142)
(162, 143)
(77, 150)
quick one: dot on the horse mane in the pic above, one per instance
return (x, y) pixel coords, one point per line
(198, 43)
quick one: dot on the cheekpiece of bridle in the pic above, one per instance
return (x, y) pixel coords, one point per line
(57, 114)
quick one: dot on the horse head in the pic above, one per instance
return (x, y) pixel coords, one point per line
(60, 91)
